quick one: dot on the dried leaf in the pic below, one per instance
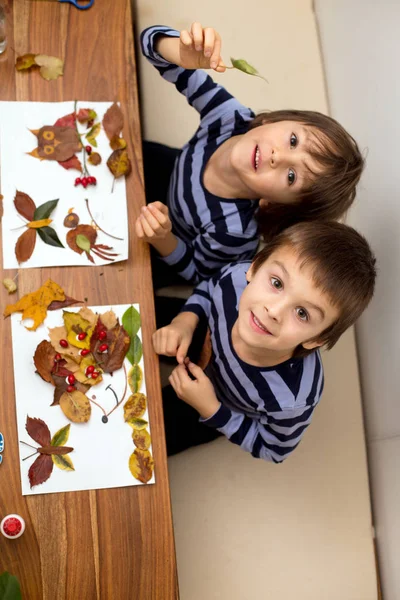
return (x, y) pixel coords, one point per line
(34, 305)
(44, 360)
(44, 210)
(141, 465)
(50, 237)
(39, 224)
(141, 439)
(56, 305)
(67, 121)
(137, 423)
(10, 285)
(61, 436)
(76, 324)
(76, 407)
(71, 220)
(113, 121)
(40, 470)
(51, 67)
(109, 319)
(87, 230)
(60, 333)
(71, 163)
(135, 378)
(56, 143)
(119, 163)
(25, 205)
(245, 67)
(135, 406)
(55, 450)
(63, 462)
(24, 62)
(25, 245)
(93, 133)
(94, 159)
(82, 242)
(118, 344)
(38, 431)
(131, 323)
(86, 115)
(117, 143)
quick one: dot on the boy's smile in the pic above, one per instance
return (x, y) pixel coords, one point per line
(280, 309)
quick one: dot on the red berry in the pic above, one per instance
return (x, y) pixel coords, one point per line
(88, 149)
(103, 348)
(94, 180)
(70, 389)
(81, 336)
(84, 352)
(78, 181)
(102, 334)
(95, 375)
(85, 182)
(63, 343)
(57, 357)
(71, 379)
(89, 370)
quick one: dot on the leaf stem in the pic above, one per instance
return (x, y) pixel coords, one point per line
(85, 171)
(98, 226)
(123, 395)
(30, 456)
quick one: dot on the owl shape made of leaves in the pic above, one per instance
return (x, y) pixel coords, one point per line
(56, 143)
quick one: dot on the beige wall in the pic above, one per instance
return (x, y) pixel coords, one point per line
(247, 529)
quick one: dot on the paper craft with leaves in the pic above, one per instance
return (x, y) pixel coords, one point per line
(38, 222)
(52, 451)
(59, 142)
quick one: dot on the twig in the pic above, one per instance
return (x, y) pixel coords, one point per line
(98, 226)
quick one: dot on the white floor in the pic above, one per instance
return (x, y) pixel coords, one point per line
(248, 529)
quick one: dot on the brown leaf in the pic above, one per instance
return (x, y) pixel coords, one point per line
(141, 465)
(25, 205)
(206, 351)
(56, 143)
(34, 305)
(86, 230)
(135, 406)
(44, 360)
(141, 439)
(94, 159)
(40, 470)
(119, 163)
(25, 245)
(38, 431)
(76, 407)
(59, 450)
(118, 345)
(86, 115)
(60, 333)
(24, 62)
(113, 121)
(71, 220)
(117, 143)
(71, 163)
(57, 304)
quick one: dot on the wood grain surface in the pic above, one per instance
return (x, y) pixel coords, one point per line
(112, 544)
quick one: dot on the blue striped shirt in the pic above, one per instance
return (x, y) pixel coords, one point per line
(211, 231)
(265, 410)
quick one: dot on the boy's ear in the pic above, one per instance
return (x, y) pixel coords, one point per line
(263, 203)
(249, 274)
(312, 344)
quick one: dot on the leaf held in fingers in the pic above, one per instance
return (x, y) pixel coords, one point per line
(25, 205)
(43, 360)
(51, 67)
(93, 133)
(61, 436)
(26, 61)
(245, 67)
(76, 407)
(50, 237)
(141, 439)
(40, 470)
(63, 462)
(141, 465)
(34, 305)
(25, 245)
(10, 285)
(94, 159)
(113, 121)
(135, 378)
(135, 406)
(119, 163)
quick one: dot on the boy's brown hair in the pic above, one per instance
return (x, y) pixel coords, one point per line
(329, 194)
(343, 268)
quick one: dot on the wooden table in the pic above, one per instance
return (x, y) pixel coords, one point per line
(114, 544)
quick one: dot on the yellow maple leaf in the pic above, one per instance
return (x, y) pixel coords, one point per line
(34, 305)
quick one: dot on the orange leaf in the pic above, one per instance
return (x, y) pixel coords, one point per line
(71, 163)
(119, 163)
(117, 143)
(113, 121)
(26, 61)
(34, 305)
(24, 205)
(25, 245)
(94, 159)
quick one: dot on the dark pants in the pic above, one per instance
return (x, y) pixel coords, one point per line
(181, 421)
(158, 164)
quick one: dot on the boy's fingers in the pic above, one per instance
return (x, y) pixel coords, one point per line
(182, 352)
(160, 217)
(195, 370)
(197, 33)
(160, 206)
(216, 53)
(139, 228)
(209, 40)
(186, 38)
(221, 68)
(150, 218)
(148, 231)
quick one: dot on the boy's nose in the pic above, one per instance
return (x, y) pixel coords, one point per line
(277, 158)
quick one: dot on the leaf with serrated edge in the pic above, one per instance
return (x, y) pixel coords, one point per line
(38, 431)
(40, 470)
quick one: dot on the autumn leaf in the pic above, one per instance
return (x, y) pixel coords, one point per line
(43, 360)
(25, 205)
(66, 121)
(131, 323)
(25, 245)
(75, 324)
(119, 163)
(10, 285)
(85, 230)
(245, 67)
(135, 378)
(141, 465)
(39, 224)
(24, 62)
(117, 143)
(51, 67)
(61, 436)
(71, 220)
(113, 121)
(135, 406)
(86, 115)
(93, 133)
(34, 305)
(56, 143)
(137, 423)
(40, 470)
(76, 407)
(38, 431)
(60, 333)
(57, 304)
(118, 343)
(141, 439)
(94, 159)
(63, 462)
(71, 163)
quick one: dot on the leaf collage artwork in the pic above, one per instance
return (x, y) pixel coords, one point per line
(85, 381)
(78, 165)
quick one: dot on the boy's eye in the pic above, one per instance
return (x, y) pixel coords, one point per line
(293, 140)
(276, 283)
(291, 177)
(302, 314)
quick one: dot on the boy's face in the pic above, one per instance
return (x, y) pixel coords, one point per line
(274, 162)
(282, 308)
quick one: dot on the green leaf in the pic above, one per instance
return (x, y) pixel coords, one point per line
(44, 210)
(131, 321)
(93, 133)
(245, 67)
(63, 462)
(136, 350)
(9, 587)
(61, 436)
(49, 236)
(82, 242)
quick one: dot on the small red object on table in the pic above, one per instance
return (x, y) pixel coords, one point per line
(12, 526)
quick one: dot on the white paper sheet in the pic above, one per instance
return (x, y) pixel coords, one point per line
(47, 180)
(101, 450)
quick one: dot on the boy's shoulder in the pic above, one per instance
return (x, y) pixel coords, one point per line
(236, 272)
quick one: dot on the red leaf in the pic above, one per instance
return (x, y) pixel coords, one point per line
(24, 205)
(71, 163)
(56, 304)
(40, 470)
(25, 245)
(58, 450)
(67, 121)
(38, 431)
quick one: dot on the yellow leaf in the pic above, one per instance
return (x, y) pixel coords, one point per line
(60, 438)
(38, 224)
(93, 133)
(119, 163)
(10, 285)
(135, 406)
(25, 62)
(141, 439)
(51, 67)
(76, 406)
(141, 465)
(75, 324)
(70, 210)
(135, 378)
(34, 305)
(137, 423)
(60, 333)
(63, 462)
(117, 143)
